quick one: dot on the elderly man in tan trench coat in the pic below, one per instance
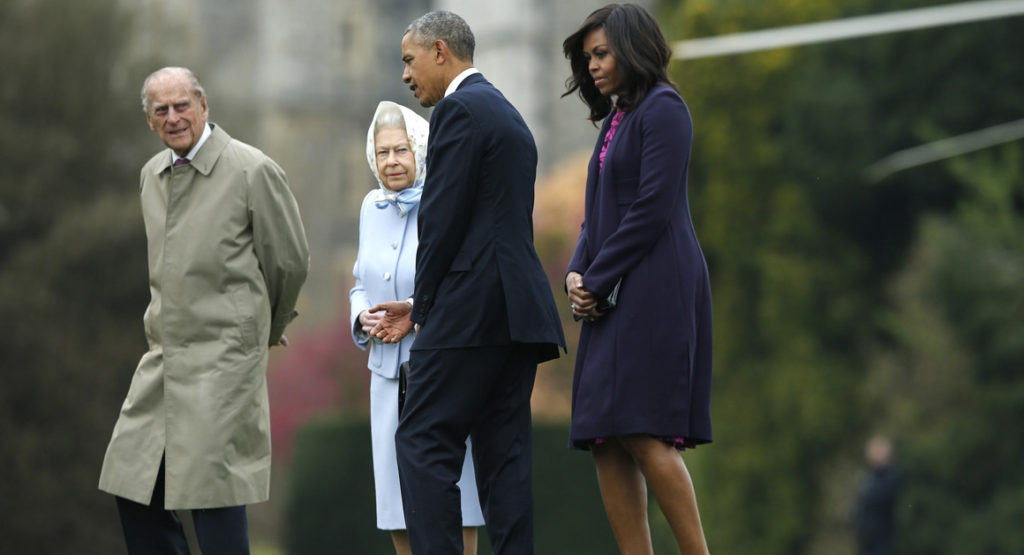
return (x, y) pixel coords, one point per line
(227, 258)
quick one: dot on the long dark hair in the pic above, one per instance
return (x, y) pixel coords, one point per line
(641, 57)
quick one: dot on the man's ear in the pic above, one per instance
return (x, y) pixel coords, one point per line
(441, 52)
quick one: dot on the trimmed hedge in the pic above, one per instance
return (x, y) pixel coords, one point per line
(331, 509)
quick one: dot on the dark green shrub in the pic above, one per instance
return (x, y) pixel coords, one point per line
(331, 506)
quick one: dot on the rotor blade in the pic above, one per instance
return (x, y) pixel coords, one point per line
(944, 148)
(840, 29)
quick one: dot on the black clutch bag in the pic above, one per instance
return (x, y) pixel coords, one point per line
(609, 302)
(403, 372)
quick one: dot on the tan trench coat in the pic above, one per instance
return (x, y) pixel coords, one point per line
(227, 257)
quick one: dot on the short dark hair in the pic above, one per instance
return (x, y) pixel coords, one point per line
(641, 57)
(446, 26)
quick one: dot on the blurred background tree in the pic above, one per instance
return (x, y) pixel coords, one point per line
(953, 349)
(803, 254)
(72, 267)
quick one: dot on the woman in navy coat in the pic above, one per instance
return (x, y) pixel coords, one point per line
(396, 148)
(638, 279)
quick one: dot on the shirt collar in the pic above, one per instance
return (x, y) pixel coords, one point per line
(195, 150)
(459, 79)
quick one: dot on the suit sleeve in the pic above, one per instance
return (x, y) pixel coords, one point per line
(358, 298)
(449, 194)
(667, 134)
(279, 241)
(579, 261)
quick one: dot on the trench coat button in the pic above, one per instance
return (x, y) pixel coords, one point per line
(394, 245)
(387, 276)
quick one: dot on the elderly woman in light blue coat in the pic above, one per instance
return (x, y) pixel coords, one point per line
(396, 149)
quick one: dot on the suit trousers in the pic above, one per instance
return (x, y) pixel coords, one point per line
(483, 393)
(153, 530)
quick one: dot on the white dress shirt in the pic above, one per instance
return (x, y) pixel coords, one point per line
(195, 150)
(459, 79)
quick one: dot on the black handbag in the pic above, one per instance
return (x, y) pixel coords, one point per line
(403, 371)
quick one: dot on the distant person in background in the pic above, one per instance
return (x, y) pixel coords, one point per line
(876, 498)
(227, 258)
(642, 386)
(396, 148)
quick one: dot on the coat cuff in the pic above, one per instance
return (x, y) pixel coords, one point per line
(278, 326)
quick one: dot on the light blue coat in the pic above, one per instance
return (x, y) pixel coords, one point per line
(384, 271)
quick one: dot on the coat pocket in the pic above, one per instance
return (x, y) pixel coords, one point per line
(376, 356)
(245, 318)
(463, 262)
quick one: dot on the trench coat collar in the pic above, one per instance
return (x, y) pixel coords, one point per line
(211, 150)
(208, 154)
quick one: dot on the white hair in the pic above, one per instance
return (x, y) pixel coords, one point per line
(197, 88)
(388, 117)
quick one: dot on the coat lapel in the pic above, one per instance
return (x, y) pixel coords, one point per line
(211, 150)
(594, 178)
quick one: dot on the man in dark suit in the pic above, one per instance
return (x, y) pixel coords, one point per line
(485, 309)
(876, 499)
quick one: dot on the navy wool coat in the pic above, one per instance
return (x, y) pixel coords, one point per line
(645, 366)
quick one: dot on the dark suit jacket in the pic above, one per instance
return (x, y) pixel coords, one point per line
(479, 281)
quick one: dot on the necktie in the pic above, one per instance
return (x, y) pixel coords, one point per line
(181, 162)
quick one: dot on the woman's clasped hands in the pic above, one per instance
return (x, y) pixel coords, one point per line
(582, 302)
(368, 320)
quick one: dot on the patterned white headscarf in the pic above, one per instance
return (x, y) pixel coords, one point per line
(418, 130)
